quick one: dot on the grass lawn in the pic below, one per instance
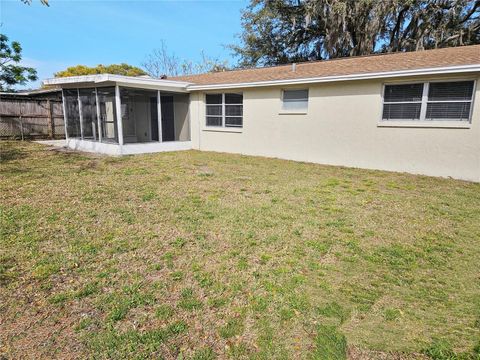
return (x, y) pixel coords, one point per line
(198, 255)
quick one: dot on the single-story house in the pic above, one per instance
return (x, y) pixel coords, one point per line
(410, 112)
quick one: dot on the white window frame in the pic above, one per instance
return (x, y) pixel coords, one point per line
(284, 111)
(422, 121)
(223, 116)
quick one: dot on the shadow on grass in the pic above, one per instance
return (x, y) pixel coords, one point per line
(7, 273)
(10, 153)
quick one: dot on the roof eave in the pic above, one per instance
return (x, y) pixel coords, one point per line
(183, 86)
(364, 76)
(159, 84)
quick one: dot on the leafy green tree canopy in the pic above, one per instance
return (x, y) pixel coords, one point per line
(117, 69)
(11, 72)
(282, 31)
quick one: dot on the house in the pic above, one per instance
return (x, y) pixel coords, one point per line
(410, 112)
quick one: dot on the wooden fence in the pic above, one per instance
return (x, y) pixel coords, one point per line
(31, 118)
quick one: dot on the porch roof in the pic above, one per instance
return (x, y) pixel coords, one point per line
(110, 79)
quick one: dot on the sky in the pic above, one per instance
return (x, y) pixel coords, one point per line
(91, 32)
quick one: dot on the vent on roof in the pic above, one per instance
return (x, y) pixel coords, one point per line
(294, 67)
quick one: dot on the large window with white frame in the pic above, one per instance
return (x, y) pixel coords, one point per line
(224, 110)
(428, 101)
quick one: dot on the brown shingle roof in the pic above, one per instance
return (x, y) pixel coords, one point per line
(465, 55)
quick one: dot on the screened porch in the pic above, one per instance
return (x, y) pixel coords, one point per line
(123, 116)
(117, 115)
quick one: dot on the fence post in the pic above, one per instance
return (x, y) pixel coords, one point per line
(51, 125)
(21, 127)
(21, 121)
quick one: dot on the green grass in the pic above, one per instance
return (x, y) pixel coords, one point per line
(329, 344)
(199, 255)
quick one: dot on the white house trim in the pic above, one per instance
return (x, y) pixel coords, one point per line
(128, 81)
(119, 119)
(364, 76)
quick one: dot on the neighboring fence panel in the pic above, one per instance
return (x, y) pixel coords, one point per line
(31, 118)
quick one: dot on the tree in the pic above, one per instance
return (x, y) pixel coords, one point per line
(11, 72)
(29, 2)
(282, 31)
(160, 62)
(118, 69)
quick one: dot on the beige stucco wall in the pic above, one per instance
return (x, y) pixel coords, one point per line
(341, 128)
(181, 116)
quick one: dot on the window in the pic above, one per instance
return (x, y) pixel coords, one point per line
(295, 100)
(402, 102)
(224, 110)
(435, 101)
(449, 101)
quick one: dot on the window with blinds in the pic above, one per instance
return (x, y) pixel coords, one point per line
(402, 102)
(224, 110)
(449, 101)
(295, 100)
(434, 101)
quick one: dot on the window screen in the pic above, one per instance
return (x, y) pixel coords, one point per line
(402, 102)
(402, 111)
(89, 113)
(214, 99)
(72, 114)
(295, 100)
(108, 114)
(435, 101)
(403, 93)
(447, 91)
(449, 101)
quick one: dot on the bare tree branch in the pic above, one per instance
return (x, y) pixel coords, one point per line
(161, 63)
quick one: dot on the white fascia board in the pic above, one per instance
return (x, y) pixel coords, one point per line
(161, 87)
(119, 79)
(365, 76)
